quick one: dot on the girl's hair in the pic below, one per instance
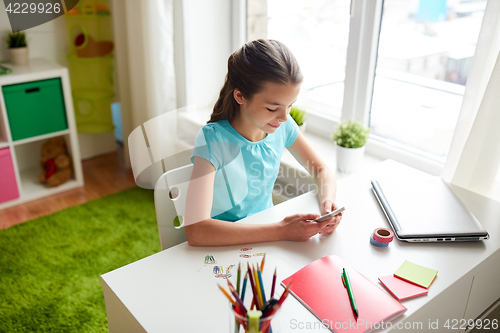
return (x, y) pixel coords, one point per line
(248, 68)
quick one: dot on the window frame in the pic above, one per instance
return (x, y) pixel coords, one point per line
(361, 61)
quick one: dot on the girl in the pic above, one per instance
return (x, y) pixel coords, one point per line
(237, 154)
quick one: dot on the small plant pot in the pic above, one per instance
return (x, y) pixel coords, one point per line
(302, 127)
(349, 159)
(19, 56)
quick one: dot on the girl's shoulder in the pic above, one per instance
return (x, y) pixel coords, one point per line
(215, 131)
(290, 131)
(212, 127)
(212, 132)
(215, 126)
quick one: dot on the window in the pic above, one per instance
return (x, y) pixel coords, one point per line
(316, 31)
(424, 56)
(408, 59)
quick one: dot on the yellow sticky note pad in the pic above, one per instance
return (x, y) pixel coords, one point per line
(417, 274)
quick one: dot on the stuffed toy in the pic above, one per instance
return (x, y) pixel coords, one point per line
(55, 162)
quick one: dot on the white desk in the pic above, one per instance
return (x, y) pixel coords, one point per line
(166, 293)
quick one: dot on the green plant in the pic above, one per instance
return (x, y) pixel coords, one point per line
(351, 134)
(298, 115)
(16, 39)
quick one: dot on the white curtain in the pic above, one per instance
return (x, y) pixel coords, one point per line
(144, 33)
(474, 157)
(159, 51)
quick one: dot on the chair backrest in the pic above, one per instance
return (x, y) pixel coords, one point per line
(170, 202)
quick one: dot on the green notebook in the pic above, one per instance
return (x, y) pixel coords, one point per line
(416, 274)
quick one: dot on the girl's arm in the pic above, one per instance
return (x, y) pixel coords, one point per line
(323, 177)
(201, 230)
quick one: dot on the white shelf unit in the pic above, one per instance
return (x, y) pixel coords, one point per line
(25, 153)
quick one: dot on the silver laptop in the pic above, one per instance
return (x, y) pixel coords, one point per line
(426, 210)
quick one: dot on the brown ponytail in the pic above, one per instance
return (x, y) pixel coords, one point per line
(248, 68)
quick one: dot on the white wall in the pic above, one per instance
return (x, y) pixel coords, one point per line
(48, 40)
(207, 32)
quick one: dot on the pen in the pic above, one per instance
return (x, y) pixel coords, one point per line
(347, 284)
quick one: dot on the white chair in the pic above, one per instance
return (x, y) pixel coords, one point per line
(170, 202)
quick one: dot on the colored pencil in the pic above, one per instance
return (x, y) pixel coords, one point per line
(280, 302)
(269, 305)
(243, 290)
(236, 297)
(257, 287)
(227, 295)
(285, 294)
(240, 317)
(261, 284)
(266, 327)
(262, 263)
(274, 283)
(252, 283)
(238, 279)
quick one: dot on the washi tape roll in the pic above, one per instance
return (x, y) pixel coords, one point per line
(374, 242)
(383, 235)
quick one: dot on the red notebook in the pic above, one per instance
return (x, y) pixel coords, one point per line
(318, 286)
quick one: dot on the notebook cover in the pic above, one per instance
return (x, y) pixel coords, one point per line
(416, 274)
(400, 288)
(318, 286)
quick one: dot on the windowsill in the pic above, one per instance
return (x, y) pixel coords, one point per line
(326, 149)
(323, 125)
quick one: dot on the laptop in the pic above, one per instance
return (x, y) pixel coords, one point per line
(426, 210)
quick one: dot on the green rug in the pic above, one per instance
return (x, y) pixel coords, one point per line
(50, 267)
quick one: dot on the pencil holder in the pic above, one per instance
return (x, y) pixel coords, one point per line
(253, 322)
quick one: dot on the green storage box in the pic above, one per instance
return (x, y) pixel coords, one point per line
(35, 108)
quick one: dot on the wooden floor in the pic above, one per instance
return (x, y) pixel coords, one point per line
(103, 175)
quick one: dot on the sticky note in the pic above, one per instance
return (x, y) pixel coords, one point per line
(402, 289)
(417, 274)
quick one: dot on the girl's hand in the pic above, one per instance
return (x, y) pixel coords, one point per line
(328, 206)
(300, 227)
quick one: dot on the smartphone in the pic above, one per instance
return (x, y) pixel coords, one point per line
(331, 214)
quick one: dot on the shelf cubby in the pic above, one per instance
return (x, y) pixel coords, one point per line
(45, 84)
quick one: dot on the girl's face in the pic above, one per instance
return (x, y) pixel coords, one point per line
(269, 108)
